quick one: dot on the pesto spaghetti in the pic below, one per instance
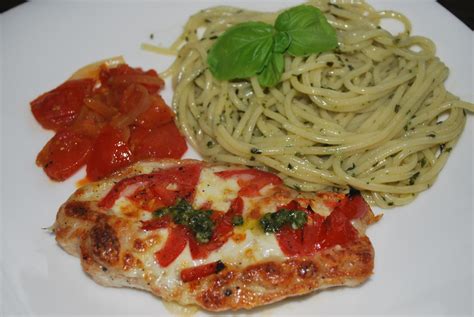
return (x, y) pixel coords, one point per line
(372, 114)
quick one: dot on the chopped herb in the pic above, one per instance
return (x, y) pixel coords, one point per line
(330, 64)
(272, 222)
(207, 20)
(335, 5)
(379, 27)
(290, 166)
(350, 67)
(390, 203)
(198, 221)
(210, 144)
(441, 147)
(219, 266)
(432, 135)
(237, 220)
(152, 36)
(414, 177)
(213, 37)
(397, 108)
(448, 149)
(423, 162)
(352, 167)
(252, 158)
(254, 150)
(353, 192)
(297, 187)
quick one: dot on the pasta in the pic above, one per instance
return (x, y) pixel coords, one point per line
(373, 114)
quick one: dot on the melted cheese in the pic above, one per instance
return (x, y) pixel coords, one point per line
(217, 193)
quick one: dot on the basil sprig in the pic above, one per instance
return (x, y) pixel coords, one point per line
(257, 49)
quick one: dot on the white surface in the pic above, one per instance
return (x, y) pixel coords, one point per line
(423, 251)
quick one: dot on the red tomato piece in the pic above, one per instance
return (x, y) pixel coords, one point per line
(354, 207)
(195, 273)
(184, 177)
(160, 142)
(124, 75)
(58, 108)
(157, 223)
(251, 180)
(290, 240)
(64, 154)
(110, 153)
(313, 234)
(157, 114)
(339, 229)
(174, 245)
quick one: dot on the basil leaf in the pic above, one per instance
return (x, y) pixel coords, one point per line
(308, 29)
(282, 41)
(242, 51)
(271, 74)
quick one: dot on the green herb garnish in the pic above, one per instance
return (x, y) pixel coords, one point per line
(198, 221)
(237, 220)
(274, 221)
(257, 48)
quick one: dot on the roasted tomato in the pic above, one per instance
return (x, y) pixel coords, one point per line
(110, 153)
(58, 108)
(160, 142)
(105, 110)
(64, 154)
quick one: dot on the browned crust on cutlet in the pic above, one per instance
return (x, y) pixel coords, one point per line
(267, 282)
(108, 248)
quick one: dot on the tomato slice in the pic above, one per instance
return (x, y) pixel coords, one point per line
(110, 153)
(354, 207)
(339, 229)
(251, 180)
(157, 223)
(319, 232)
(157, 114)
(64, 154)
(58, 108)
(160, 142)
(147, 187)
(174, 245)
(195, 273)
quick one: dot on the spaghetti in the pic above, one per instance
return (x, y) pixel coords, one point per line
(373, 114)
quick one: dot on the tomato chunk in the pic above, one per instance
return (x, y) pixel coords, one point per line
(319, 232)
(157, 223)
(110, 153)
(58, 108)
(160, 142)
(157, 114)
(64, 154)
(251, 180)
(195, 273)
(174, 245)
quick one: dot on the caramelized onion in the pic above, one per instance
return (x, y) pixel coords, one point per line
(136, 79)
(121, 120)
(100, 107)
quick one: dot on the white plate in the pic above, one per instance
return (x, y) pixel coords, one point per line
(423, 251)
